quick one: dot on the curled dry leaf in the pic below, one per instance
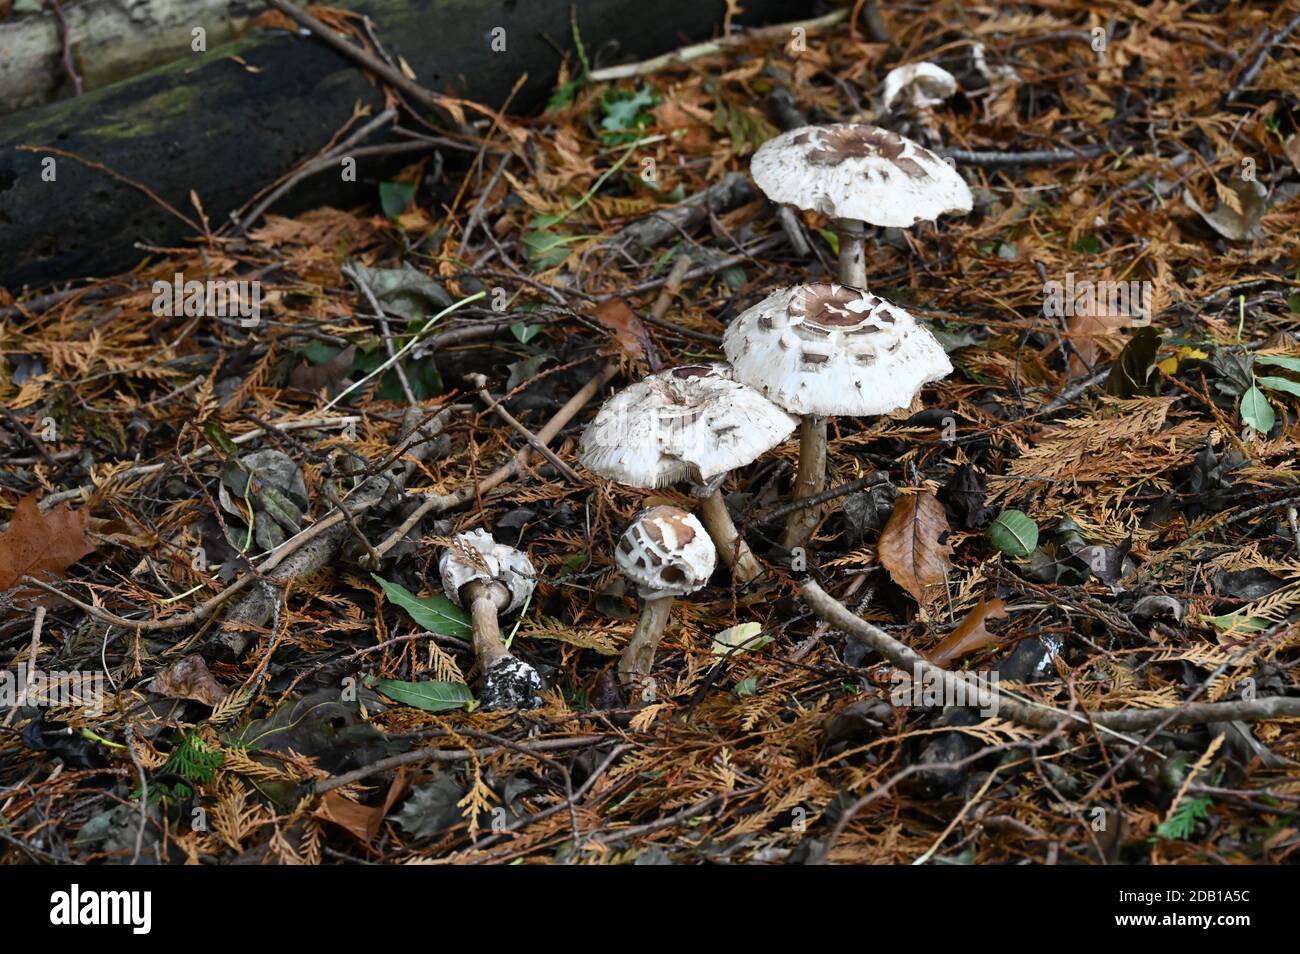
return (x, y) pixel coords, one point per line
(970, 634)
(914, 545)
(189, 678)
(42, 544)
(1242, 203)
(631, 340)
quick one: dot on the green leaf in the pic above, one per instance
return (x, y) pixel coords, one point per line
(740, 638)
(1280, 384)
(437, 614)
(394, 197)
(747, 687)
(430, 696)
(524, 332)
(1088, 245)
(1256, 411)
(1281, 360)
(1239, 623)
(1014, 534)
(832, 239)
(1182, 822)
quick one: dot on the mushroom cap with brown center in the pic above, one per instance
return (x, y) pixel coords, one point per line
(475, 556)
(831, 349)
(666, 551)
(857, 171)
(687, 423)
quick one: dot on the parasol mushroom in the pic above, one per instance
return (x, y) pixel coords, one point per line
(490, 580)
(693, 423)
(665, 553)
(820, 350)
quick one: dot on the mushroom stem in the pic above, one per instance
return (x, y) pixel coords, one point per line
(735, 551)
(853, 252)
(639, 656)
(809, 481)
(485, 601)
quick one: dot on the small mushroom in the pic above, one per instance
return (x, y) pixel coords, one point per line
(859, 174)
(667, 554)
(914, 90)
(819, 350)
(491, 579)
(691, 423)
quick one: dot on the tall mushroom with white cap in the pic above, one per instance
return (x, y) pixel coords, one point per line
(693, 423)
(491, 579)
(665, 553)
(858, 174)
(821, 350)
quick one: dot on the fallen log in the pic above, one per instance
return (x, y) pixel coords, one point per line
(230, 121)
(107, 41)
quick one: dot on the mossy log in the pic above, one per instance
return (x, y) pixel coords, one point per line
(230, 121)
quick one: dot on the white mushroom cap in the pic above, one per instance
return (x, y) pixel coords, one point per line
(919, 84)
(688, 423)
(858, 172)
(476, 556)
(665, 551)
(831, 349)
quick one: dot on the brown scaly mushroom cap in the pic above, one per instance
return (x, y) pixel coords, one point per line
(689, 423)
(831, 349)
(857, 171)
(665, 551)
(476, 556)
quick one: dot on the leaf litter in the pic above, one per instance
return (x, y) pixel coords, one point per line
(1091, 512)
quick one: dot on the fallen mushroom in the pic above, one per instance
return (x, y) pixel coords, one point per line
(914, 90)
(693, 423)
(491, 579)
(667, 554)
(819, 350)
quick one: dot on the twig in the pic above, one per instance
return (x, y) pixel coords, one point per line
(448, 755)
(466, 492)
(37, 623)
(1029, 157)
(479, 383)
(357, 280)
(129, 733)
(853, 486)
(66, 36)
(958, 685)
(1255, 67)
(362, 56)
(697, 50)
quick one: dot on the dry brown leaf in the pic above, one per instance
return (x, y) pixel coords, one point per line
(970, 634)
(914, 545)
(189, 678)
(38, 544)
(363, 821)
(630, 337)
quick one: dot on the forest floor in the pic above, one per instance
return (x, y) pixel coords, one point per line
(1101, 506)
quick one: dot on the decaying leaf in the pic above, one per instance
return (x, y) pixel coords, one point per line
(42, 544)
(970, 634)
(630, 337)
(1242, 203)
(188, 678)
(914, 545)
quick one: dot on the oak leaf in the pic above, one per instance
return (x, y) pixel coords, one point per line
(914, 545)
(42, 544)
